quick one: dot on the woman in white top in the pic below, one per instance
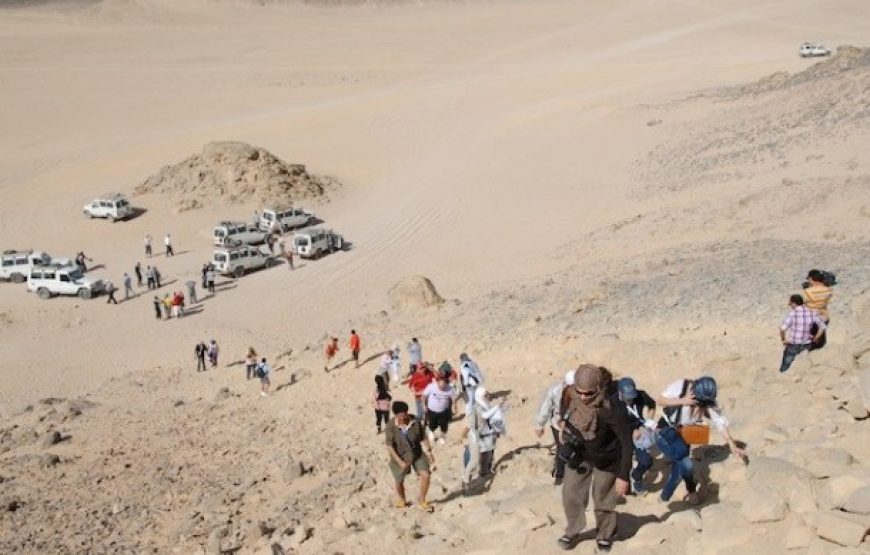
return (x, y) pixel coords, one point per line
(686, 402)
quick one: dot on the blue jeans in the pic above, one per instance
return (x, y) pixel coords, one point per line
(420, 414)
(681, 470)
(790, 352)
(644, 463)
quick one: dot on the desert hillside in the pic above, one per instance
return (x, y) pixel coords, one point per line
(637, 185)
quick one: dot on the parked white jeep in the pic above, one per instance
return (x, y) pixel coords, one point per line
(314, 243)
(114, 207)
(231, 234)
(236, 261)
(66, 280)
(17, 265)
(282, 219)
(813, 49)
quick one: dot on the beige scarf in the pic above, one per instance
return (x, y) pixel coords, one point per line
(583, 411)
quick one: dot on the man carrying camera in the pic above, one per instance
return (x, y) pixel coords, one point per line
(597, 449)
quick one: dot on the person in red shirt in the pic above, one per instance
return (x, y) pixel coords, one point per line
(331, 349)
(354, 347)
(418, 381)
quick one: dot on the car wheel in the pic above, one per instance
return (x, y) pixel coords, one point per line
(43, 293)
(17, 278)
(85, 293)
(239, 272)
(270, 262)
(112, 219)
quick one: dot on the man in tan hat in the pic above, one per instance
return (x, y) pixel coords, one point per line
(598, 429)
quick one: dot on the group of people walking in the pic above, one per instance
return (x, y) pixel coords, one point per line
(410, 437)
(601, 427)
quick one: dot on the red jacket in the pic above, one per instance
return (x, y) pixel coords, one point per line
(418, 382)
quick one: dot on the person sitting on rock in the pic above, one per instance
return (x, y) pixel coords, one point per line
(817, 296)
(406, 442)
(549, 412)
(686, 402)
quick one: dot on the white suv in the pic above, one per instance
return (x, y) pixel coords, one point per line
(813, 49)
(275, 219)
(67, 280)
(235, 261)
(17, 265)
(114, 207)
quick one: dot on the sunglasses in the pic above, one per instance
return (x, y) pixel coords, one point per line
(582, 393)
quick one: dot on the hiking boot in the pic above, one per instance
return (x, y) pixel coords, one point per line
(400, 504)
(425, 507)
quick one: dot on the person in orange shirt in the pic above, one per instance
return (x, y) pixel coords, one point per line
(354, 347)
(331, 349)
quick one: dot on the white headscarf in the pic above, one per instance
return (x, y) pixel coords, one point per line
(569, 377)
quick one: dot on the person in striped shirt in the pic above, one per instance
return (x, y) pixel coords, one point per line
(796, 331)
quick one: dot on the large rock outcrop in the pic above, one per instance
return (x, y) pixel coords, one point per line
(414, 292)
(228, 172)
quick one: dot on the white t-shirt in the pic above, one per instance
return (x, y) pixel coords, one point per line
(437, 399)
(386, 362)
(687, 416)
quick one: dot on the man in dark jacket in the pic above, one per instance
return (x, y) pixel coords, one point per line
(597, 424)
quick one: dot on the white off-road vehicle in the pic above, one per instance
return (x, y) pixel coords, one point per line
(17, 265)
(236, 261)
(113, 207)
(314, 243)
(231, 234)
(282, 219)
(66, 280)
(813, 49)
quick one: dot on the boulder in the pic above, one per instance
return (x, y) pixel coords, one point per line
(763, 504)
(823, 462)
(774, 473)
(414, 292)
(858, 502)
(864, 386)
(798, 536)
(839, 529)
(836, 491)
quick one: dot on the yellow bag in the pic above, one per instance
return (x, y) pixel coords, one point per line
(695, 434)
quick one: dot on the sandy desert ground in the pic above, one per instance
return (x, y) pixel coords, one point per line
(637, 184)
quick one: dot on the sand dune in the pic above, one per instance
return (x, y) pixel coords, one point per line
(636, 184)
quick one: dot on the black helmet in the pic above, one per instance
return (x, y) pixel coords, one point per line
(705, 390)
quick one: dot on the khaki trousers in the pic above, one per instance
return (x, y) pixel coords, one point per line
(576, 488)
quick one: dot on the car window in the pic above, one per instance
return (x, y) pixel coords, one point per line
(234, 256)
(21, 260)
(64, 278)
(48, 275)
(8, 262)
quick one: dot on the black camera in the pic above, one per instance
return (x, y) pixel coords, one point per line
(571, 450)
